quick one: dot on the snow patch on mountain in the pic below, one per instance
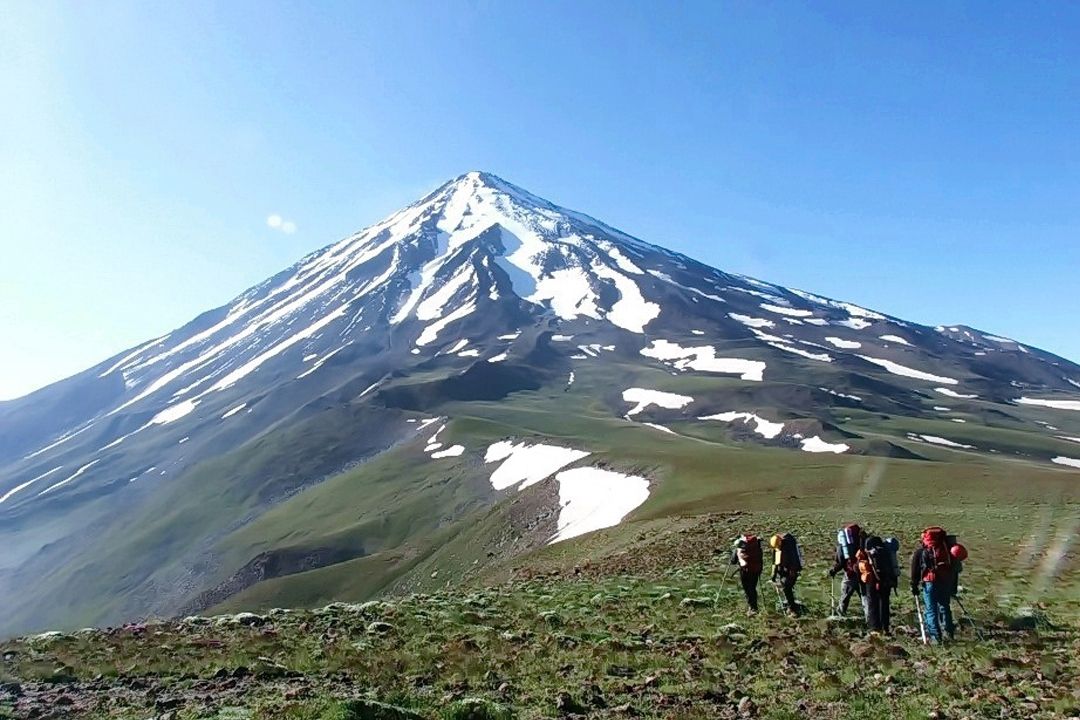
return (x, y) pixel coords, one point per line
(845, 396)
(817, 445)
(645, 397)
(704, 359)
(821, 357)
(592, 499)
(1049, 403)
(935, 440)
(70, 478)
(233, 411)
(894, 338)
(1060, 460)
(897, 369)
(527, 464)
(779, 310)
(752, 322)
(174, 412)
(843, 344)
(452, 451)
(953, 394)
(28, 483)
(765, 428)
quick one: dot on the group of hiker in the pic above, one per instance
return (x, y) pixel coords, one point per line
(871, 570)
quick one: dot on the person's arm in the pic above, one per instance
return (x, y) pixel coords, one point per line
(838, 563)
(734, 558)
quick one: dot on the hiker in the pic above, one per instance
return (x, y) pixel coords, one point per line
(935, 568)
(877, 574)
(848, 540)
(787, 564)
(748, 556)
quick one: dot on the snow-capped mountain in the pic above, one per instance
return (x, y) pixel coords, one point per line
(476, 292)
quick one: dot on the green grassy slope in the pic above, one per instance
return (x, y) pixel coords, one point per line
(644, 631)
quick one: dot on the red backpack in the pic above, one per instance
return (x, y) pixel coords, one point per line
(937, 560)
(749, 553)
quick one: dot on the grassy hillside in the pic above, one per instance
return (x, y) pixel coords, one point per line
(624, 623)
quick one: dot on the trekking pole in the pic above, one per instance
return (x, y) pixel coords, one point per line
(721, 590)
(918, 614)
(967, 616)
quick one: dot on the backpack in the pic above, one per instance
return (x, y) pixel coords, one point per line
(748, 552)
(876, 564)
(788, 555)
(893, 546)
(937, 561)
(847, 540)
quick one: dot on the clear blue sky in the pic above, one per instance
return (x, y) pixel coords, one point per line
(921, 159)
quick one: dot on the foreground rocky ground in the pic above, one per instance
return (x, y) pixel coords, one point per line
(642, 634)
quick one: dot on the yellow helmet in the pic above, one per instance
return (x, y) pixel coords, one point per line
(774, 542)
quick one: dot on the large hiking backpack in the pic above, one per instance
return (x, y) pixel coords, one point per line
(876, 564)
(788, 555)
(847, 540)
(749, 553)
(894, 552)
(937, 559)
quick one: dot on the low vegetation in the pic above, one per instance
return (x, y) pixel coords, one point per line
(639, 628)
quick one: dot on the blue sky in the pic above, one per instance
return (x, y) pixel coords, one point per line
(921, 159)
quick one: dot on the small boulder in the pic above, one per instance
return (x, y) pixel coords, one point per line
(379, 627)
(373, 710)
(476, 709)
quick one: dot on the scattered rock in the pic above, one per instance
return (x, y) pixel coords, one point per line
(372, 710)
(696, 602)
(565, 704)
(476, 709)
(379, 627)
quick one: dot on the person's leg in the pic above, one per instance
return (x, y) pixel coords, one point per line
(930, 612)
(789, 593)
(886, 610)
(873, 609)
(749, 586)
(945, 603)
(847, 590)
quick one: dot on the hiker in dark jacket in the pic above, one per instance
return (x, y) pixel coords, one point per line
(747, 555)
(878, 578)
(851, 584)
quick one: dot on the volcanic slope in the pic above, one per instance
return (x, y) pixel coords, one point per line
(482, 364)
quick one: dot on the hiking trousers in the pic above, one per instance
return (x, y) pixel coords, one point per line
(878, 610)
(787, 586)
(749, 585)
(937, 600)
(848, 589)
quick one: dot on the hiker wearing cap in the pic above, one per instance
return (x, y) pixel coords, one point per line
(848, 541)
(747, 555)
(787, 564)
(935, 568)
